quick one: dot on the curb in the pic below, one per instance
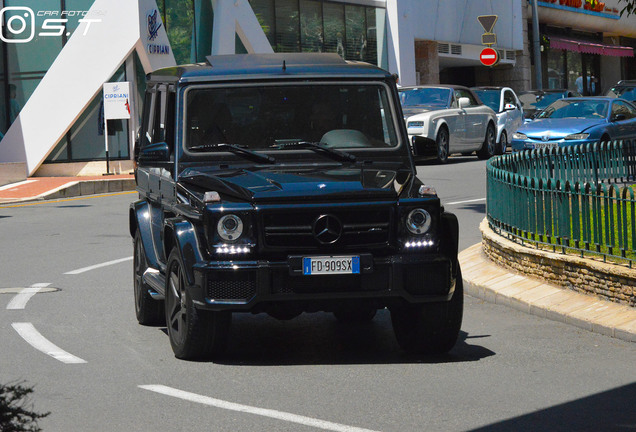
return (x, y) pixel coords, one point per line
(79, 188)
(487, 281)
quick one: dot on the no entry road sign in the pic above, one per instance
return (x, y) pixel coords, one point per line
(489, 57)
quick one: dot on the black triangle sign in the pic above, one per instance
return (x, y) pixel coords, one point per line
(487, 22)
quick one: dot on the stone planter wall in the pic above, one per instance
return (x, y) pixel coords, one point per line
(607, 281)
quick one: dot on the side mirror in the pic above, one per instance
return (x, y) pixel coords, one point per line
(159, 152)
(509, 107)
(463, 102)
(619, 117)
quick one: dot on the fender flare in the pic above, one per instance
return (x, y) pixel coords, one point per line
(139, 220)
(181, 234)
(449, 230)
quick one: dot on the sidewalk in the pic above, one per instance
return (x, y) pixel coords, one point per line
(487, 281)
(41, 188)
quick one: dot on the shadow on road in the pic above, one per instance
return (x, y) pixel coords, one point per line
(613, 410)
(259, 340)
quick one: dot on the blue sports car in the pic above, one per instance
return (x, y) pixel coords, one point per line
(573, 121)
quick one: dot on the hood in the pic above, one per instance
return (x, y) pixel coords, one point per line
(276, 184)
(420, 109)
(558, 127)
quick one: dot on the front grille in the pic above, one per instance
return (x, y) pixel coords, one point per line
(293, 230)
(230, 286)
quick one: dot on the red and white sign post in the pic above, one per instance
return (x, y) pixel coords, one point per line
(489, 57)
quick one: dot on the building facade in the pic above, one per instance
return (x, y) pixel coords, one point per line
(56, 55)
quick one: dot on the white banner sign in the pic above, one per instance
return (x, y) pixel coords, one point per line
(116, 100)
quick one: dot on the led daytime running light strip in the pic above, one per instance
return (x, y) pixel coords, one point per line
(419, 243)
(232, 250)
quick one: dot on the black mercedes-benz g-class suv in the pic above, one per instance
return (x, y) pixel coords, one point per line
(282, 184)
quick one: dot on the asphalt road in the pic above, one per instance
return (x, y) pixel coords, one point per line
(510, 371)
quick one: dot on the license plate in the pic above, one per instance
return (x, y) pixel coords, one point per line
(545, 145)
(331, 265)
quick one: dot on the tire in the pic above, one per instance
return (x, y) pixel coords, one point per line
(194, 334)
(487, 149)
(355, 315)
(149, 312)
(503, 143)
(430, 328)
(442, 145)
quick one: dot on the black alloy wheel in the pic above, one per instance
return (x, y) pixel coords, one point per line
(194, 334)
(430, 328)
(149, 311)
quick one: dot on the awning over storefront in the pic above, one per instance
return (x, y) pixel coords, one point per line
(590, 47)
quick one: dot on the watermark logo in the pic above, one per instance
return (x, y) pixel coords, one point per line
(18, 23)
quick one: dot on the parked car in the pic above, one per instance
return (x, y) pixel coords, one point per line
(573, 121)
(624, 89)
(534, 101)
(505, 103)
(446, 119)
(283, 184)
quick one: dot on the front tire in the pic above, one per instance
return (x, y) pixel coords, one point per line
(487, 149)
(194, 334)
(430, 328)
(442, 144)
(149, 312)
(503, 143)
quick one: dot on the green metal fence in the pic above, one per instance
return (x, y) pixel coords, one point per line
(577, 199)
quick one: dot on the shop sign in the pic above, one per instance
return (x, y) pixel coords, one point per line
(116, 100)
(153, 26)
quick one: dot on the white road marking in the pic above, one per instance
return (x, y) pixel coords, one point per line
(465, 202)
(21, 299)
(96, 266)
(280, 415)
(40, 343)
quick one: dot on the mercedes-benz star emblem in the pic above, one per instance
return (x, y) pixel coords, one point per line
(327, 229)
(545, 137)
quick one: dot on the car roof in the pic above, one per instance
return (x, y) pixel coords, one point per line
(268, 66)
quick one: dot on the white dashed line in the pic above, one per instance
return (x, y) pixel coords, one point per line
(280, 415)
(40, 343)
(96, 266)
(21, 299)
(466, 202)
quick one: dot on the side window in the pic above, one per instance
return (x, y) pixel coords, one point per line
(620, 107)
(145, 135)
(509, 98)
(463, 93)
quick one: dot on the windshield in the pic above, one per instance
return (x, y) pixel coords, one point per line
(275, 117)
(533, 101)
(569, 108)
(433, 97)
(491, 98)
(628, 93)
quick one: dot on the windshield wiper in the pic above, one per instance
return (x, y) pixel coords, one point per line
(336, 154)
(237, 150)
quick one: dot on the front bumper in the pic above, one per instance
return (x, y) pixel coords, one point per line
(252, 285)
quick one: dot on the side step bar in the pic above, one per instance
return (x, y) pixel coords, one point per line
(156, 282)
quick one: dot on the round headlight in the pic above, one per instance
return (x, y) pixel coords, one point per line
(418, 221)
(230, 227)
